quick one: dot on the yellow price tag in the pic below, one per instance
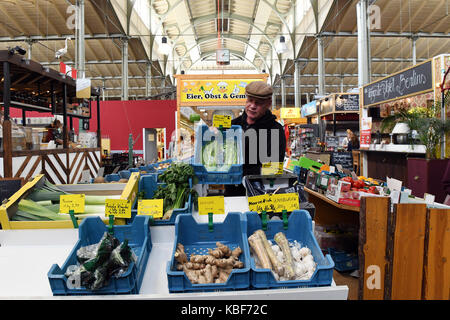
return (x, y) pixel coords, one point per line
(73, 202)
(270, 168)
(120, 208)
(215, 204)
(285, 201)
(221, 120)
(260, 203)
(153, 207)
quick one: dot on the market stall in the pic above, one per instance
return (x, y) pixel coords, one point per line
(30, 86)
(389, 148)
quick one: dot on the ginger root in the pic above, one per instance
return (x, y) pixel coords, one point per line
(215, 267)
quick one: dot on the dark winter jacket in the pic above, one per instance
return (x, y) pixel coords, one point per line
(267, 121)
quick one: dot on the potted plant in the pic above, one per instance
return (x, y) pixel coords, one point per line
(429, 129)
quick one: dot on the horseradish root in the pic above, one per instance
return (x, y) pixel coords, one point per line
(281, 240)
(258, 247)
(276, 264)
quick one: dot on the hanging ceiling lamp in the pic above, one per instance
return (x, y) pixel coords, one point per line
(165, 48)
(281, 46)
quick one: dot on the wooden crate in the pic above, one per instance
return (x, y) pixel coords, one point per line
(404, 254)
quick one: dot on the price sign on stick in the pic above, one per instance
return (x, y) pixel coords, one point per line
(260, 203)
(73, 202)
(120, 208)
(221, 120)
(153, 207)
(285, 201)
(214, 204)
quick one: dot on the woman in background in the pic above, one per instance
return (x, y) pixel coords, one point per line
(353, 141)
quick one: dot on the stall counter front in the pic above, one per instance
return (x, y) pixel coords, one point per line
(43, 248)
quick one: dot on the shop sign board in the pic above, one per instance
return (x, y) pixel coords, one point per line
(309, 109)
(365, 133)
(347, 103)
(412, 81)
(345, 159)
(290, 113)
(221, 91)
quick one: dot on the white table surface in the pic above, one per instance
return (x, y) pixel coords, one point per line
(27, 255)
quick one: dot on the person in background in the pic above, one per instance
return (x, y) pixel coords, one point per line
(51, 130)
(58, 132)
(353, 141)
(257, 115)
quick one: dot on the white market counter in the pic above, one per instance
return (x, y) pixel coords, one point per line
(27, 255)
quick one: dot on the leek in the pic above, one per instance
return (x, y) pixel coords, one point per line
(32, 207)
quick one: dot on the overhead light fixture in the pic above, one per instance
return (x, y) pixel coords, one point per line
(281, 46)
(17, 49)
(165, 48)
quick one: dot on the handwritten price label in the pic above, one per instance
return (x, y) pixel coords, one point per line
(260, 203)
(73, 202)
(274, 202)
(215, 204)
(285, 201)
(153, 207)
(120, 208)
(221, 120)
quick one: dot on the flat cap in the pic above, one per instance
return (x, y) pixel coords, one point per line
(259, 90)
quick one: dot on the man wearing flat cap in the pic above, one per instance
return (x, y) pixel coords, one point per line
(258, 119)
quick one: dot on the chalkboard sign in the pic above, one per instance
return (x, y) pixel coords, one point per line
(9, 186)
(347, 102)
(332, 141)
(408, 82)
(345, 159)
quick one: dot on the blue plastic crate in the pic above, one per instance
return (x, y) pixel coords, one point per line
(300, 229)
(344, 261)
(91, 231)
(125, 174)
(197, 239)
(149, 184)
(233, 175)
(112, 177)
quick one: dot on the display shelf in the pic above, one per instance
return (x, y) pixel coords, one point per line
(27, 255)
(74, 115)
(404, 148)
(337, 205)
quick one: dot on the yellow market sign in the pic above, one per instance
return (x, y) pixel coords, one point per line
(73, 202)
(215, 205)
(290, 113)
(213, 90)
(274, 202)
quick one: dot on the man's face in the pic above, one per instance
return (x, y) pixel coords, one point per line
(256, 108)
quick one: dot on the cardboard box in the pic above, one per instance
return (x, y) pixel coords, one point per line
(311, 180)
